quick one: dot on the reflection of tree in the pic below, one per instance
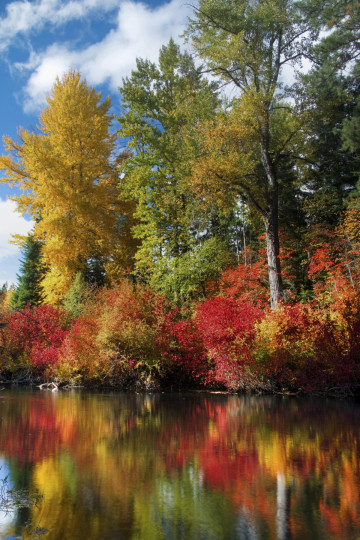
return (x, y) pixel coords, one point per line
(283, 494)
(142, 466)
(21, 480)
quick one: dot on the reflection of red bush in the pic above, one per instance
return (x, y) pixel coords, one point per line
(222, 467)
(40, 420)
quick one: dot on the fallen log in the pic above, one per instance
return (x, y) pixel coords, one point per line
(49, 385)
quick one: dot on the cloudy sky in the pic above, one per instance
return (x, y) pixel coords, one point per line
(41, 39)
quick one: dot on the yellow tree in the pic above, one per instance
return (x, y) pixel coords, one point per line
(68, 183)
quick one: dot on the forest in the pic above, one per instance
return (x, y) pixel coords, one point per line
(207, 235)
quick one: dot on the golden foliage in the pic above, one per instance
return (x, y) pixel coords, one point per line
(350, 227)
(68, 182)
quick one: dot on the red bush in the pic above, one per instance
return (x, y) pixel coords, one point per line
(35, 336)
(120, 337)
(304, 347)
(184, 348)
(248, 281)
(226, 327)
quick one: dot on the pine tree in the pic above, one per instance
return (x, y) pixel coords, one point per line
(163, 104)
(76, 296)
(32, 271)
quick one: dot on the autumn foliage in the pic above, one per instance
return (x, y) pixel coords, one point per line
(118, 339)
(33, 338)
(227, 330)
(129, 336)
(162, 259)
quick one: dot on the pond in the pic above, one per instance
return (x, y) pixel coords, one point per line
(180, 466)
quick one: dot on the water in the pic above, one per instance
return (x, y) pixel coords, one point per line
(180, 466)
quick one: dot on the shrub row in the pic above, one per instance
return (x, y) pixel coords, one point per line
(131, 337)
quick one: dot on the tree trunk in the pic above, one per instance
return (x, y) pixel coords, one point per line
(274, 267)
(271, 219)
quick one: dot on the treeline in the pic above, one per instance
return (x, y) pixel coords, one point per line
(214, 239)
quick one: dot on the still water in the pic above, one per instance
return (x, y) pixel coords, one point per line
(180, 466)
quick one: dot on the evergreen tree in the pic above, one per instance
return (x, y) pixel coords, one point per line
(163, 105)
(76, 296)
(329, 96)
(32, 271)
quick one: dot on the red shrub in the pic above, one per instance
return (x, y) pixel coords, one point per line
(35, 336)
(120, 336)
(227, 330)
(249, 280)
(304, 347)
(184, 347)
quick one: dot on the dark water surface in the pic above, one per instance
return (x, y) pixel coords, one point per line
(181, 466)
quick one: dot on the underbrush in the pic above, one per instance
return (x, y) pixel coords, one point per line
(129, 337)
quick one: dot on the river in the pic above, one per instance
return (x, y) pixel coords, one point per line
(192, 466)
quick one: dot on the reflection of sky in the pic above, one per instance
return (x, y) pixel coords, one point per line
(6, 518)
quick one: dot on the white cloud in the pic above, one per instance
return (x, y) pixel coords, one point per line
(56, 61)
(140, 32)
(11, 222)
(23, 16)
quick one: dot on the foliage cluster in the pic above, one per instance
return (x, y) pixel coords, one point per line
(162, 260)
(129, 336)
(33, 338)
(117, 339)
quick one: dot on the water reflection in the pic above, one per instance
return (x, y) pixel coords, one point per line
(182, 466)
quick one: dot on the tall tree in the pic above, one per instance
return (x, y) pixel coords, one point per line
(162, 106)
(247, 44)
(32, 270)
(68, 179)
(329, 94)
(330, 170)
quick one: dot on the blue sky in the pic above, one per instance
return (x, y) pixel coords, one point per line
(41, 39)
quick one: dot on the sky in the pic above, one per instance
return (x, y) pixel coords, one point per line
(42, 39)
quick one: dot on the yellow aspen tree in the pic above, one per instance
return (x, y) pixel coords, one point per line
(68, 184)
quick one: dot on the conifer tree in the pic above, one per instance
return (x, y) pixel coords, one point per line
(29, 290)
(76, 296)
(163, 104)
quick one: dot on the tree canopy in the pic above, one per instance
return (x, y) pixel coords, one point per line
(68, 182)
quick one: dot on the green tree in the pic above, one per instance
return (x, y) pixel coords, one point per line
(328, 97)
(247, 44)
(195, 273)
(77, 296)
(32, 271)
(162, 106)
(329, 170)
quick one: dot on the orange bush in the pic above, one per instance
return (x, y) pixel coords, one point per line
(119, 337)
(304, 347)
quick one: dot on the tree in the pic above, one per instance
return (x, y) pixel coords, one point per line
(162, 107)
(68, 180)
(330, 92)
(77, 296)
(247, 44)
(29, 290)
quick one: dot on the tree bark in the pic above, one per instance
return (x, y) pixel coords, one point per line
(271, 218)
(273, 250)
